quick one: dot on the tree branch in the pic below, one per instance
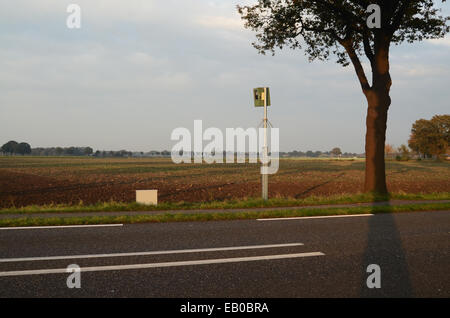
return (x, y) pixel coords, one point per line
(331, 32)
(398, 18)
(367, 48)
(348, 45)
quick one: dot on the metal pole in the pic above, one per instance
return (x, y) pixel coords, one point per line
(265, 177)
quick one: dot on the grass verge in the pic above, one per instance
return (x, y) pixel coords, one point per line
(174, 217)
(227, 204)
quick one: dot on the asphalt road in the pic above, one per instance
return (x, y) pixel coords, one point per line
(309, 257)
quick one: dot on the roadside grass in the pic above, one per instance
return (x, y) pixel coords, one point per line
(219, 216)
(113, 206)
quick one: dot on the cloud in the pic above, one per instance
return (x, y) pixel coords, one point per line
(419, 71)
(444, 41)
(139, 68)
(220, 22)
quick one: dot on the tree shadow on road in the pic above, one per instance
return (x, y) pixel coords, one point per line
(384, 248)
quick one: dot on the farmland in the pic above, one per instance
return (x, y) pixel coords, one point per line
(71, 180)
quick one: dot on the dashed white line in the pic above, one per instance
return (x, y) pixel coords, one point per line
(167, 264)
(313, 217)
(198, 250)
(57, 226)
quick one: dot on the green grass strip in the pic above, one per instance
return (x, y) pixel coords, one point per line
(180, 217)
(227, 204)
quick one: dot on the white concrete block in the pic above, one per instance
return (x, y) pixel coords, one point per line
(149, 197)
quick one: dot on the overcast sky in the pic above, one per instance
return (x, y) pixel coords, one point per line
(137, 69)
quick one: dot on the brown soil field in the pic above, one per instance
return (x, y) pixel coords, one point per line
(69, 180)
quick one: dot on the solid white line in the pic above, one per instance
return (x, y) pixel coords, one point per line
(214, 249)
(313, 217)
(56, 226)
(156, 265)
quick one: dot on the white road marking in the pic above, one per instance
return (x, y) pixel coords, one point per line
(313, 217)
(156, 265)
(214, 249)
(56, 226)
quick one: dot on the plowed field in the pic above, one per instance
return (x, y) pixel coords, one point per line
(42, 180)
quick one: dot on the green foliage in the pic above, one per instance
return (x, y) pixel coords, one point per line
(88, 151)
(23, 148)
(404, 153)
(336, 151)
(12, 147)
(325, 27)
(59, 151)
(431, 137)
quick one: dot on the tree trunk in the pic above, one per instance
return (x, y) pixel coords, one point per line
(378, 101)
(376, 120)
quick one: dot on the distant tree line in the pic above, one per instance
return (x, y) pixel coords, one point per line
(14, 148)
(335, 152)
(111, 153)
(152, 153)
(60, 151)
(125, 153)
